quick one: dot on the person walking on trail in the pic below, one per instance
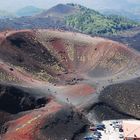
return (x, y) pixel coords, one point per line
(67, 99)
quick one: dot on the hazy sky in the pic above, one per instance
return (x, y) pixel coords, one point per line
(13, 5)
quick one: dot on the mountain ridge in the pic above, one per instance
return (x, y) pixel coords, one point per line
(28, 11)
(72, 17)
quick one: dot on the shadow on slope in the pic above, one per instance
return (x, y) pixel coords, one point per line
(65, 124)
(118, 101)
(15, 99)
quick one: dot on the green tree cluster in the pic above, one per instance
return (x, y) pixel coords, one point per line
(92, 22)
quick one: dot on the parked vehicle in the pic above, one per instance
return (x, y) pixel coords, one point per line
(118, 126)
(100, 125)
(93, 128)
(96, 136)
(89, 138)
(120, 130)
(99, 128)
(97, 133)
(121, 136)
(115, 122)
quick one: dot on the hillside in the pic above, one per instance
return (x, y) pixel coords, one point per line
(92, 22)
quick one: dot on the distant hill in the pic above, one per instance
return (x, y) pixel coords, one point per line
(116, 5)
(5, 14)
(133, 14)
(127, 8)
(28, 11)
(60, 10)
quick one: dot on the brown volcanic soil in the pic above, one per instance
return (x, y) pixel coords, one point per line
(66, 81)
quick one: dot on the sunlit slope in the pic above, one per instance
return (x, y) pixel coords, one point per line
(95, 57)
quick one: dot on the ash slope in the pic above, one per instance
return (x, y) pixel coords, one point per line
(120, 100)
(80, 76)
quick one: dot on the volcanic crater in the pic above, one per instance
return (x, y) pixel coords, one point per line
(54, 84)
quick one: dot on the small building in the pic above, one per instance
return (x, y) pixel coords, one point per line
(131, 129)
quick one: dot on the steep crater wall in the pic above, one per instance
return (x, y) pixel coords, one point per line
(118, 101)
(14, 100)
